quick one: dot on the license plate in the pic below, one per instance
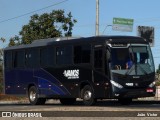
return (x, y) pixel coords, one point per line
(149, 90)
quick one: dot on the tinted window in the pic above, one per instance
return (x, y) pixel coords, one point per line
(19, 58)
(64, 55)
(44, 57)
(8, 59)
(32, 58)
(98, 58)
(47, 56)
(51, 56)
(82, 54)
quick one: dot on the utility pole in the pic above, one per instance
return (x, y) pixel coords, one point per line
(97, 17)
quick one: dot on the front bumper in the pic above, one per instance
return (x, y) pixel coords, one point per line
(133, 93)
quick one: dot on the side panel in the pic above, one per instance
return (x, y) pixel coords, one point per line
(17, 81)
(62, 78)
(102, 86)
(55, 83)
(71, 78)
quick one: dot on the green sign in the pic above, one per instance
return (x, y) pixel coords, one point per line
(123, 21)
(122, 24)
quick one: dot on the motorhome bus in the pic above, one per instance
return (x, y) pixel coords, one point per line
(88, 68)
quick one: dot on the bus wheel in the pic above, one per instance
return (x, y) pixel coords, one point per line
(68, 101)
(33, 97)
(125, 101)
(88, 95)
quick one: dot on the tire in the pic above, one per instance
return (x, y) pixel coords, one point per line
(68, 101)
(87, 95)
(33, 97)
(125, 101)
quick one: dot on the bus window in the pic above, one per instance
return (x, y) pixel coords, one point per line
(44, 56)
(32, 58)
(64, 55)
(98, 60)
(119, 58)
(51, 56)
(18, 57)
(47, 56)
(82, 54)
(8, 59)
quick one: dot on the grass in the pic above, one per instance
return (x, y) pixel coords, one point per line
(12, 98)
(158, 83)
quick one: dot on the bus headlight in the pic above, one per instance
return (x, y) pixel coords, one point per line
(116, 84)
(152, 84)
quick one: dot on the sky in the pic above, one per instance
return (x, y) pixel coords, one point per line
(144, 13)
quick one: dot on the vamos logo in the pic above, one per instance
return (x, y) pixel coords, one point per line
(71, 74)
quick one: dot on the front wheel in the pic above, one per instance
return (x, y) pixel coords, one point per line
(87, 95)
(33, 97)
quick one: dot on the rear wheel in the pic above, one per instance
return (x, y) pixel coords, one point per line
(87, 95)
(33, 97)
(125, 101)
(68, 101)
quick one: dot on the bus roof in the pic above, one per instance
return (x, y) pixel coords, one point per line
(72, 40)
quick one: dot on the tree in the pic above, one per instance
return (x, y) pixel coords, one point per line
(1, 65)
(158, 70)
(1, 51)
(47, 25)
(14, 41)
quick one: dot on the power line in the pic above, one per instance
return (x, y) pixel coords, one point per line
(33, 11)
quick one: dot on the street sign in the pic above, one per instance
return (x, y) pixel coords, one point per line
(122, 24)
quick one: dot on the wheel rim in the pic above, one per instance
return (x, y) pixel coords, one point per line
(87, 95)
(32, 95)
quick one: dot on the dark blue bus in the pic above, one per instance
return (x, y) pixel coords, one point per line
(89, 68)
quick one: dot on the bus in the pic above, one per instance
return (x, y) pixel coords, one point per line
(87, 68)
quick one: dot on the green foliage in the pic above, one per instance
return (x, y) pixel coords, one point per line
(158, 76)
(1, 50)
(157, 83)
(158, 70)
(1, 64)
(1, 55)
(47, 25)
(14, 41)
(2, 39)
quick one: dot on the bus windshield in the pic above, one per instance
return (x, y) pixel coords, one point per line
(132, 60)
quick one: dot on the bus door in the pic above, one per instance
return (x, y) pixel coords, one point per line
(99, 70)
(98, 60)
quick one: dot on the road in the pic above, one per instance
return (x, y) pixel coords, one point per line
(106, 108)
